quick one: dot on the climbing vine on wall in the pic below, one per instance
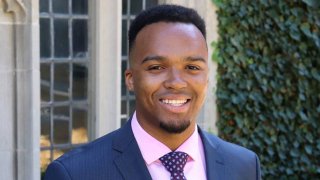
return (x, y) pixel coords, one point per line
(268, 91)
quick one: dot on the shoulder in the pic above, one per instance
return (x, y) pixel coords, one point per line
(237, 159)
(85, 161)
(230, 150)
(97, 147)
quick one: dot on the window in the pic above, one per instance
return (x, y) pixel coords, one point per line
(130, 8)
(64, 76)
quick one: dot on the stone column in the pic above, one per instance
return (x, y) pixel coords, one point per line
(19, 90)
(208, 116)
(105, 30)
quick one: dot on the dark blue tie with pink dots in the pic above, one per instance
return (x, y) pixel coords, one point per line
(174, 162)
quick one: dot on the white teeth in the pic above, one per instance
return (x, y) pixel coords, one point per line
(174, 102)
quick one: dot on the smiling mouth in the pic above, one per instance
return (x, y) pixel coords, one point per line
(175, 102)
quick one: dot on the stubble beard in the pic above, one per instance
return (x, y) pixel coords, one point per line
(175, 128)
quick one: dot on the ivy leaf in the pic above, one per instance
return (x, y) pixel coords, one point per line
(239, 121)
(312, 3)
(257, 141)
(270, 151)
(308, 149)
(282, 155)
(264, 2)
(305, 159)
(309, 137)
(303, 116)
(315, 74)
(289, 171)
(294, 152)
(318, 145)
(302, 97)
(305, 28)
(277, 99)
(290, 114)
(316, 40)
(219, 3)
(295, 35)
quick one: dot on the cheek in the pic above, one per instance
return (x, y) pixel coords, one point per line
(146, 84)
(200, 82)
(200, 86)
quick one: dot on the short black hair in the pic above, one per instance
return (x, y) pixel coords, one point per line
(165, 13)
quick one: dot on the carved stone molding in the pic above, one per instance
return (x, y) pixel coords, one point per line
(17, 8)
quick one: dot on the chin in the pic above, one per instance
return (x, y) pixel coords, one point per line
(173, 128)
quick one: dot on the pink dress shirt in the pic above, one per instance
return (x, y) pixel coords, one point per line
(152, 150)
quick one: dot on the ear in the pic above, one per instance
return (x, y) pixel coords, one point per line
(129, 79)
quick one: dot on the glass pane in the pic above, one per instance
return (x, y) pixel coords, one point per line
(123, 83)
(124, 42)
(44, 5)
(132, 107)
(44, 160)
(123, 121)
(123, 107)
(45, 82)
(131, 93)
(60, 131)
(80, 82)
(80, 126)
(61, 82)
(136, 7)
(45, 127)
(61, 38)
(80, 38)
(124, 6)
(60, 6)
(59, 152)
(44, 37)
(62, 113)
(150, 3)
(79, 6)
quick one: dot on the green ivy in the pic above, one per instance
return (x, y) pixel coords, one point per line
(268, 91)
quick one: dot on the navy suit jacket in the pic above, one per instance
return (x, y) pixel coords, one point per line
(116, 156)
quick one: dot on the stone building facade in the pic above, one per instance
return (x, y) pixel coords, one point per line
(61, 66)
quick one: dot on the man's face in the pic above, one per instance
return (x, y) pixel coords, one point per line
(169, 75)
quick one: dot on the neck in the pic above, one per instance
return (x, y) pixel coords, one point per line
(172, 140)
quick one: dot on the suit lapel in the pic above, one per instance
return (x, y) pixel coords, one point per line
(214, 158)
(130, 161)
(132, 165)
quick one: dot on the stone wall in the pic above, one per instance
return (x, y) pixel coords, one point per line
(19, 90)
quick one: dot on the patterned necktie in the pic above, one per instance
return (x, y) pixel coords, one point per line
(174, 162)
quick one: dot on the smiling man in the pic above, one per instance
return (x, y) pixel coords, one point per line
(169, 75)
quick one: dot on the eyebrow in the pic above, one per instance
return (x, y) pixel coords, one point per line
(153, 58)
(162, 58)
(195, 58)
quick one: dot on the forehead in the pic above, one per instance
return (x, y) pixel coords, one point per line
(170, 28)
(165, 38)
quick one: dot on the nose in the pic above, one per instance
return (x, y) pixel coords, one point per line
(175, 80)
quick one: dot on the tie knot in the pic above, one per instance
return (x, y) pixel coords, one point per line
(174, 161)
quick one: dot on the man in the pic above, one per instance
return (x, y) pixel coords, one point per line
(169, 75)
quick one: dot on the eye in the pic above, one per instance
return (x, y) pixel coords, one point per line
(155, 67)
(192, 67)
